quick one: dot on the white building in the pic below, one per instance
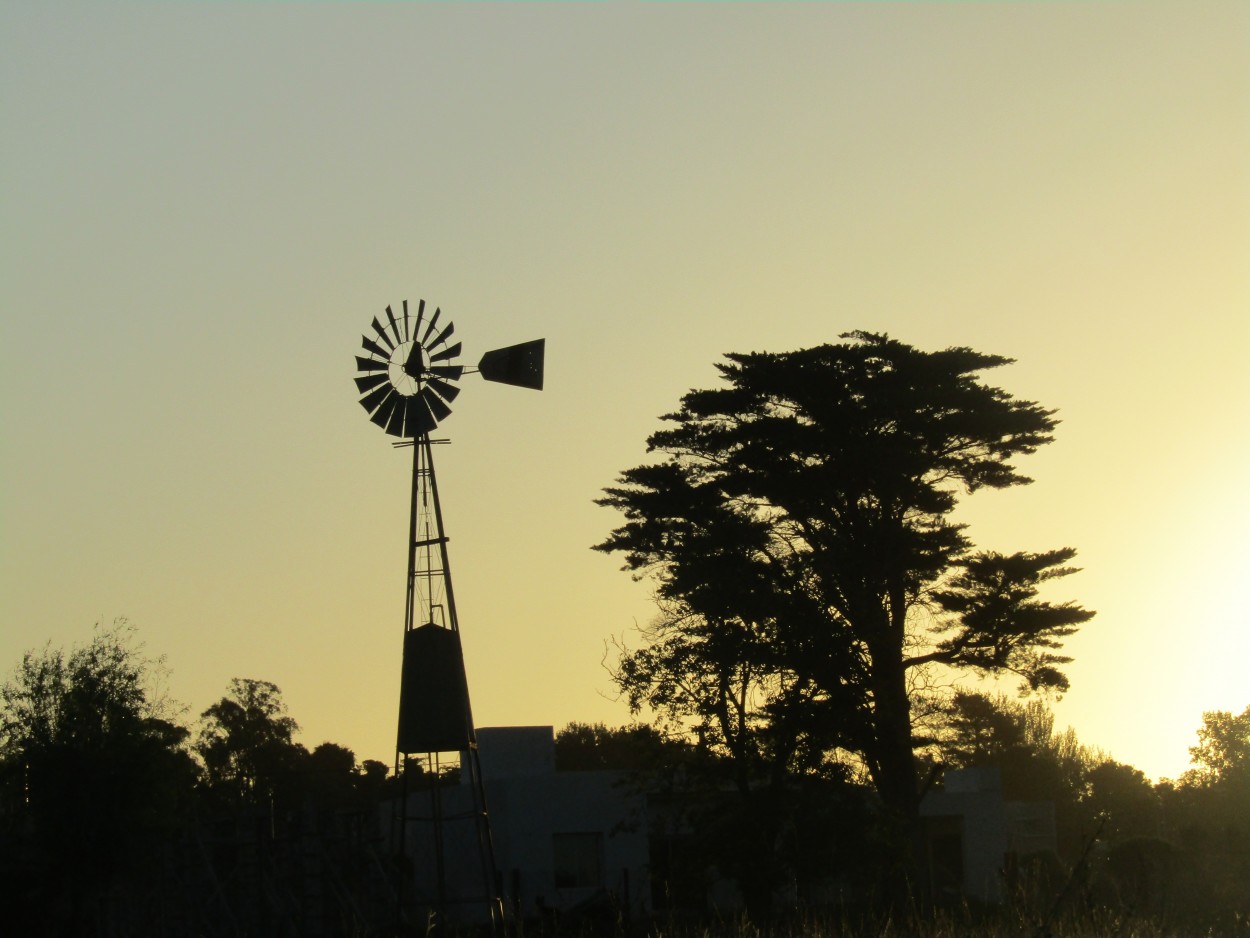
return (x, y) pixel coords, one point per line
(566, 844)
(973, 836)
(578, 844)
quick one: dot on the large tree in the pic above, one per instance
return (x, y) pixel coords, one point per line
(799, 531)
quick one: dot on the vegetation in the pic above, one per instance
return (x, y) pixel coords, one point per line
(112, 822)
(799, 532)
(639, 747)
(798, 527)
(96, 775)
(116, 818)
(247, 746)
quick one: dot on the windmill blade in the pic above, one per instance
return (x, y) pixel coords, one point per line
(371, 401)
(444, 390)
(450, 352)
(394, 325)
(452, 372)
(405, 320)
(443, 336)
(370, 346)
(417, 417)
(377, 327)
(386, 408)
(370, 364)
(430, 328)
(519, 365)
(371, 381)
(435, 403)
(395, 425)
(416, 326)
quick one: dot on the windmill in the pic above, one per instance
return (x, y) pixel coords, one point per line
(407, 383)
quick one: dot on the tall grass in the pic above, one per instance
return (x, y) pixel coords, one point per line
(953, 923)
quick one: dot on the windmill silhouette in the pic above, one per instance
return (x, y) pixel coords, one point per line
(407, 383)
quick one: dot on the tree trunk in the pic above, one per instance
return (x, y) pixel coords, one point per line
(894, 772)
(896, 762)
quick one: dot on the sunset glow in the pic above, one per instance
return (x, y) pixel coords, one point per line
(205, 205)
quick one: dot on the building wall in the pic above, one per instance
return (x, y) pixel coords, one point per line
(565, 843)
(569, 839)
(989, 829)
(576, 844)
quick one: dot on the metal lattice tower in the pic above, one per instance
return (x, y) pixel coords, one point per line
(407, 385)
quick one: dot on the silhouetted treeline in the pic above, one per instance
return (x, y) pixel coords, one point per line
(1176, 852)
(1173, 847)
(120, 817)
(115, 819)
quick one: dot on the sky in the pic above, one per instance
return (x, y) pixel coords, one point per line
(204, 205)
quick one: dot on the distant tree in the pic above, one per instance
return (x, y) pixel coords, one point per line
(1222, 755)
(1124, 796)
(97, 774)
(372, 777)
(639, 747)
(984, 730)
(333, 759)
(799, 532)
(1214, 795)
(246, 742)
(1036, 762)
(1207, 812)
(330, 776)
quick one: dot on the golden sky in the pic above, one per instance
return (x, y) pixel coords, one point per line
(204, 205)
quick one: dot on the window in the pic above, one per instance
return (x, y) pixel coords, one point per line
(944, 834)
(577, 860)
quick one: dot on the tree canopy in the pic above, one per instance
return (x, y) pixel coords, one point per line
(96, 776)
(246, 741)
(588, 747)
(109, 826)
(798, 528)
(1222, 754)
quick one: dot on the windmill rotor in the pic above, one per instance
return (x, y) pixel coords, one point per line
(407, 379)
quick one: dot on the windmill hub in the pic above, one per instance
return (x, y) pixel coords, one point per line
(416, 361)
